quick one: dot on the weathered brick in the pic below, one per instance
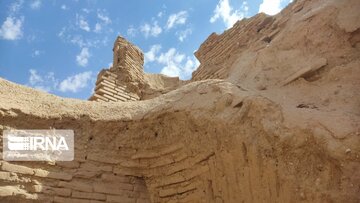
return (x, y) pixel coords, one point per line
(110, 97)
(167, 192)
(126, 171)
(87, 195)
(115, 178)
(15, 190)
(58, 191)
(70, 200)
(7, 190)
(197, 171)
(141, 200)
(103, 158)
(92, 167)
(17, 168)
(77, 185)
(191, 186)
(54, 175)
(4, 175)
(120, 199)
(60, 176)
(96, 201)
(175, 178)
(112, 188)
(68, 164)
(86, 174)
(117, 96)
(37, 188)
(51, 190)
(162, 162)
(62, 191)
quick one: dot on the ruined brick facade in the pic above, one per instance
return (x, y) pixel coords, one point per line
(121, 82)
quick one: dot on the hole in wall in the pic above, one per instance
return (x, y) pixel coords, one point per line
(239, 105)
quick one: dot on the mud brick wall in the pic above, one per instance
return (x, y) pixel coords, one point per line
(128, 60)
(122, 81)
(78, 181)
(218, 52)
(108, 89)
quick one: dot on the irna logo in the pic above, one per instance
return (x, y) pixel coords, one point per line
(38, 145)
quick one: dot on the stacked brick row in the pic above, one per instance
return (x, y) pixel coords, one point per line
(108, 89)
(69, 182)
(122, 81)
(218, 52)
(128, 60)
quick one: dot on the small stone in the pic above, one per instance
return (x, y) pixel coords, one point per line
(347, 151)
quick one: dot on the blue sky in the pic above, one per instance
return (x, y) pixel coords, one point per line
(60, 46)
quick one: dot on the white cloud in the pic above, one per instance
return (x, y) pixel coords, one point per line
(34, 77)
(174, 63)
(76, 82)
(82, 42)
(177, 19)
(85, 10)
(97, 28)
(151, 30)
(145, 29)
(104, 18)
(49, 83)
(177, 64)
(270, 7)
(229, 16)
(11, 29)
(82, 23)
(36, 4)
(131, 31)
(83, 58)
(156, 29)
(151, 54)
(92, 22)
(183, 34)
(45, 83)
(16, 6)
(171, 59)
(190, 65)
(160, 14)
(64, 7)
(78, 40)
(245, 7)
(36, 53)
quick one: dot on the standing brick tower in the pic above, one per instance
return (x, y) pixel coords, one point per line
(122, 81)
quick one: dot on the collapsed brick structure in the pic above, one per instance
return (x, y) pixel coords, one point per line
(121, 81)
(282, 124)
(126, 80)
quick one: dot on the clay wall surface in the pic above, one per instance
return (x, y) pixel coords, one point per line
(226, 145)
